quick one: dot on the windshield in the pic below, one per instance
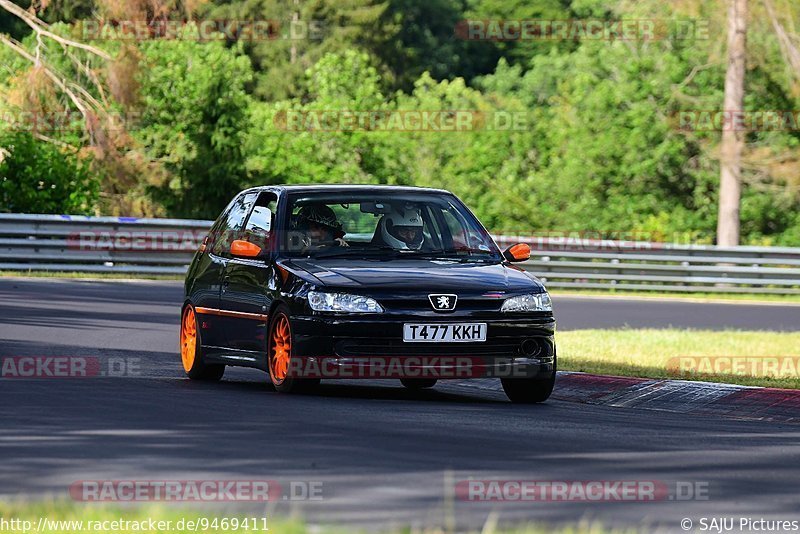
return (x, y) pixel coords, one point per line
(385, 225)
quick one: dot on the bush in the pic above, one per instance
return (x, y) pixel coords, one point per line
(39, 177)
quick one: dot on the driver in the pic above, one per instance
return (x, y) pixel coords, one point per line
(402, 229)
(320, 227)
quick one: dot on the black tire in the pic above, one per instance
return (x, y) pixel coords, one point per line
(285, 384)
(418, 383)
(530, 390)
(199, 370)
(527, 390)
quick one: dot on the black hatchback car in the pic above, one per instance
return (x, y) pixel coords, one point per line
(316, 282)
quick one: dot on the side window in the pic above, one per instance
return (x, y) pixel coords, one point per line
(433, 234)
(262, 219)
(263, 216)
(232, 228)
(461, 233)
(456, 227)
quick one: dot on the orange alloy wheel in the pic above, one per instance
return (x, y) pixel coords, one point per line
(281, 348)
(188, 338)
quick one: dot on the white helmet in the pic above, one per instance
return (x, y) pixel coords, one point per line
(402, 229)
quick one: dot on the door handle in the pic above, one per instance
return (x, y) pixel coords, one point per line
(225, 281)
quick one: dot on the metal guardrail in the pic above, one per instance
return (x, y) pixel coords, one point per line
(165, 246)
(98, 244)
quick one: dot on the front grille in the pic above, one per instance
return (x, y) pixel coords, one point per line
(416, 304)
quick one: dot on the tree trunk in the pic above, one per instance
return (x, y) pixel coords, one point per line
(295, 18)
(730, 184)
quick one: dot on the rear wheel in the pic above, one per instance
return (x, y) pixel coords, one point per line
(192, 350)
(418, 383)
(279, 354)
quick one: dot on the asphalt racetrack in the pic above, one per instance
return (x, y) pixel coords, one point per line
(382, 455)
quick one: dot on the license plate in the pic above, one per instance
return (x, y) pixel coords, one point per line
(444, 333)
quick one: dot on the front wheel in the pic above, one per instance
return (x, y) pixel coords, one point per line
(279, 354)
(192, 350)
(530, 390)
(418, 383)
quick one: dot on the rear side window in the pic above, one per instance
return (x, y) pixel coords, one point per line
(233, 224)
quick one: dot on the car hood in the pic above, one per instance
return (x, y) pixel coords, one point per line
(414, 275)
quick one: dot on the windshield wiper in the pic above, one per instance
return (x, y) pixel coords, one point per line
(387, 252)
(450, 256)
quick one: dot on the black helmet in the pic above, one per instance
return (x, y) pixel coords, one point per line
(322, 215)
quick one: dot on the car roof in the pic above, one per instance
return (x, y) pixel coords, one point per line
(336, 188)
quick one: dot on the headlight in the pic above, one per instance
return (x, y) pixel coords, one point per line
(525, 303)
(342, 302)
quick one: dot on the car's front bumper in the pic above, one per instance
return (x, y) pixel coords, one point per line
(373, 347)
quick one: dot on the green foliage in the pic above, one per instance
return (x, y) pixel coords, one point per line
(487, 54)
(38, 177)
(337, 83)
(303, 33)
(425, 42)
(195, 113)
(608, 159)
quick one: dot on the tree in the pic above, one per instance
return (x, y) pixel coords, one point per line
(730, 183)
(195, 114)
(304, 32)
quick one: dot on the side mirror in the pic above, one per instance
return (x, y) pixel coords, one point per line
(518, 252)
(245, 249)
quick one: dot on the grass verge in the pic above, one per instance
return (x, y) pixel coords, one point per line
(68, 518)
(692, 297)
(769, 359)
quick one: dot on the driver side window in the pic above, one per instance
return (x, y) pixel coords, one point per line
(232, 226)
(261, 219)
(263, 215)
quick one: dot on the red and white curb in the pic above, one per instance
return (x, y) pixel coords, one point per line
(681, 396)
(678, 396)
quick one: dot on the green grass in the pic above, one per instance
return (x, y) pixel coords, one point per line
(652, 353)
(658, 295)
(69, 511)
